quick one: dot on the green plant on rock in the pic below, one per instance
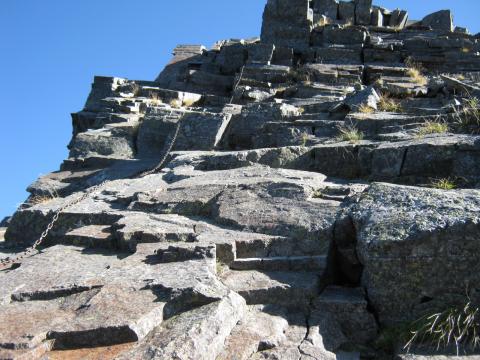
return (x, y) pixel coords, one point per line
(433, 127)
(349, 133)
(444, 184)
(456, 325)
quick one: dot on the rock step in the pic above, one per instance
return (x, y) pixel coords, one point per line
(291, 289)
(348, 306)
(276, 247)
(91, 236)
(282, 263)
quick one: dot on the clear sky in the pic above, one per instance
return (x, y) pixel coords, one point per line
(51, 49)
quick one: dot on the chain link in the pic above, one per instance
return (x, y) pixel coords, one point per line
(8, 262)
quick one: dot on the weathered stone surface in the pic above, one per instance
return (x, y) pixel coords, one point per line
(275, 287)
(424, 239)
(196, 334)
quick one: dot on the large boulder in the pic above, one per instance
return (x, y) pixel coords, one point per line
(363, 12)
(440, 20)
(329, 8)
(287, 23)
(418, 246)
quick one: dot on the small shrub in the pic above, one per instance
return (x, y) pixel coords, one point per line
(389, 104)
(349, 133)
(433, 127)
(444, 184)
(465, 50)
(458, 325)
(317, 194)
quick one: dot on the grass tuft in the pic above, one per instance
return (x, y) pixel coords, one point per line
(444, 184)
(389, 104)
(433, 127)
(175, 103)
(415, 72)
(188, 102)
(365, 109)
(468, 116)
(349, 133)
(456, 325)
(304, 139)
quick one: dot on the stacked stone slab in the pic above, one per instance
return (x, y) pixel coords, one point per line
(323, 191)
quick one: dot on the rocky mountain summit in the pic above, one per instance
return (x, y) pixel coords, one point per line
(319, 198)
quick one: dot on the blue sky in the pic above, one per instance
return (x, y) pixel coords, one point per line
(51, 49)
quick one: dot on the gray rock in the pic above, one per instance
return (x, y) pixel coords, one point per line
(366, 97)
(347, 36)
(349, 308)
(5, 221)
(346, 11)
(440, 20)
(377, 17)
(363, 10)
(329, 8)
(398, 19)
(196, 334)
(412, 235)
(287, 23)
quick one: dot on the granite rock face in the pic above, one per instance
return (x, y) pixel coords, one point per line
(312, 189)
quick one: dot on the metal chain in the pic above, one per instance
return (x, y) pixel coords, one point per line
(8, 262)
(238, 83)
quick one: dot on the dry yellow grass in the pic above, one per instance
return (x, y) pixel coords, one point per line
(188, 102)
(175, 103)
(40, 199)
(417, 76)
(365, 109)
(389, 104)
